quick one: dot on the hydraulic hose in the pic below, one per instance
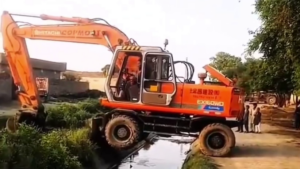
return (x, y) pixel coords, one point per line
(190, 70)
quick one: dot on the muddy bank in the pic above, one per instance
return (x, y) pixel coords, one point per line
(195, 160)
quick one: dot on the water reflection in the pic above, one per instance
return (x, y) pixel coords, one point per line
(163, 154)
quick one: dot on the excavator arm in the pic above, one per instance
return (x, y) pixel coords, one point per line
(79, 30)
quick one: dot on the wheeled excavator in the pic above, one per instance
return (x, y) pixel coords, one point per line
(148, 96)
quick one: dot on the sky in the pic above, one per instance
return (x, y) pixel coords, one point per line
(196, 29)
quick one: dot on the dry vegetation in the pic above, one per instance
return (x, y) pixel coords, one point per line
(278, 116)
(282, 119)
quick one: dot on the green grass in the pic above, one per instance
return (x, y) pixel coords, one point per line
(199, 161)
(68, 146)
(196, 160)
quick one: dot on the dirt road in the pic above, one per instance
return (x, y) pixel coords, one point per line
(273, 149)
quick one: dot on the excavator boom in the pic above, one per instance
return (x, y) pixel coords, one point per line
(79, 30)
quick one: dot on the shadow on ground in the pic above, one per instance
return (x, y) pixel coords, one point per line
(263, 151)
(285, 132)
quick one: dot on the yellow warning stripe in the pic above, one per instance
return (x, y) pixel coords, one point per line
(131, 47)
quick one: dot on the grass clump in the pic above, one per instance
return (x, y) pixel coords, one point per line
(69, 115)
(196, 160)
(30, 149)
(90, 105)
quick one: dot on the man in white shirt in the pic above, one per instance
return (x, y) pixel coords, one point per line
(251, 116)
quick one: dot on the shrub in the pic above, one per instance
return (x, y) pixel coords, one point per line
(76, 119)
(90, 105)
(71, 76)
(68, 115)
(30, 149)
(18, 149)
(75, 142)
(79, 145)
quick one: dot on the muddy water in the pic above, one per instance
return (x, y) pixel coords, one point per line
(162, 154)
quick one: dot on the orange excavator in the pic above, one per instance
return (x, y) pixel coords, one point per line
(148, 96)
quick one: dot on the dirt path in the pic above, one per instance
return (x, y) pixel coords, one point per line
(273, 149)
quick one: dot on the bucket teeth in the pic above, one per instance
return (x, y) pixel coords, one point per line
(11, 124)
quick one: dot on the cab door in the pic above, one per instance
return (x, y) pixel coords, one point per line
(158, 82)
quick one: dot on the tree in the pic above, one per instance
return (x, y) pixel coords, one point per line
(278, 39)
(105, 69)
(71, 76)
(252, 74)
(226, 63)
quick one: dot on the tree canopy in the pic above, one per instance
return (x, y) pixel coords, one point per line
(278, 40)
(226, 63)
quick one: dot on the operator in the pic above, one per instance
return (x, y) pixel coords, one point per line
(139, 73)
(133, 90)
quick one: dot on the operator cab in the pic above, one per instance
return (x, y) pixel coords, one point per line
(147, 76)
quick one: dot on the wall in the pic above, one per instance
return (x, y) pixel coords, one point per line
(46, 73)
(40, 64)
(51, 74)
(5, 89)
(97, 83)
(57, 86)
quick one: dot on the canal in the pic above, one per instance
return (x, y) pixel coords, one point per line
(163, 153)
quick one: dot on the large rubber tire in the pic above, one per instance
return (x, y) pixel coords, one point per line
(272, 100)
(132, 129)
(225, 132)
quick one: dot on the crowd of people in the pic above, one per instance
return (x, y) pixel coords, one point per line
(251, 120)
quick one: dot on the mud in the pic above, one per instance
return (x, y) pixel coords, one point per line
(275, 148)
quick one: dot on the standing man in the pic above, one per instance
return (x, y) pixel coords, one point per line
(257, 120)
(251, 117)
(241, 122)
(297, 116)
(246, 118)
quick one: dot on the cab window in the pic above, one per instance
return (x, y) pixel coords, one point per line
(157, 67)
(165, 72)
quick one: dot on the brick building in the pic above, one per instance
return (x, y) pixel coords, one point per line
(41, 68)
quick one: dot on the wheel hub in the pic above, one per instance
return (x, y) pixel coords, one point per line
(216, 141)
(122, 133)
(272, 101)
